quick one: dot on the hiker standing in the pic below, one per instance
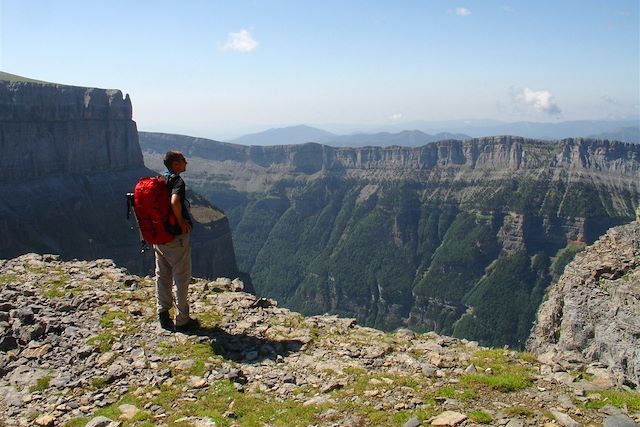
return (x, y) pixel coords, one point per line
(173, 259)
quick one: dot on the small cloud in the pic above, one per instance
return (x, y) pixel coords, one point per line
(242, 41)
(462, 11)
(541, 100)
(395, 117)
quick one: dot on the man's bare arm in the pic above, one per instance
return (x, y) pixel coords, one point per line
(176, 206)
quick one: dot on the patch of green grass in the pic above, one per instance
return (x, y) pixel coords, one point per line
(507, 375)
(77, 422)
(98, 382)
(103, 342)
(249, 410)
(41, 384)
(618, 398)
(8, 278)
(504, 382)
(108, 318)
(54, 283)
(528, 357)
(448, 391)
(479, 417)
(465, 394)
(315, 332)
(354, 371)
(210, 317)
(518, 411)
(112, 411)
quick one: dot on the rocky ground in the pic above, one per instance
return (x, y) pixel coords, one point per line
(80, 345)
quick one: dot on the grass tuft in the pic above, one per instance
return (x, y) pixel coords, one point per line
(617, 398)
(506, 376)
(518, 411)
(41, 384)
(480, 417)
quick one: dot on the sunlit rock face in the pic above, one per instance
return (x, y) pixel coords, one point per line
(592, 313)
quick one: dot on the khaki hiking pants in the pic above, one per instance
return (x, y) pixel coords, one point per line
(173, 266)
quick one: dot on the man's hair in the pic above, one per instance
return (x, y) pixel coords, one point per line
(172, 156)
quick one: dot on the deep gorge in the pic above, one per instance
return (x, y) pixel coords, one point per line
(460, 237)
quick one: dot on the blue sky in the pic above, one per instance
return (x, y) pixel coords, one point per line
(222, 68)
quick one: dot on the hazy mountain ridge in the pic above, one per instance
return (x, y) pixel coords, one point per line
(627, 134)
(303, 134)
(415, 235)
(285, 136)
(421, 132)
(536, 130)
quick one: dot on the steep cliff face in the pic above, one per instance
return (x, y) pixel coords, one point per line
(69, 156)
(461, 237)
(593, 312)
(53, 129)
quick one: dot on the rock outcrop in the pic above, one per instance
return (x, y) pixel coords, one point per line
(593, 313)
(79, 340)
(69, 156)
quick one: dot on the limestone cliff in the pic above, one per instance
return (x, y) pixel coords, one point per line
(50, 129)
(69, 156)
(593, 312)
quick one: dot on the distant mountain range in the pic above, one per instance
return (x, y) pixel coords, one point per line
(625, 134)
(301, 134)
(285, 136)
(425, 132)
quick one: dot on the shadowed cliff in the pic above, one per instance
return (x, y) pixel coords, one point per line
(69, 156)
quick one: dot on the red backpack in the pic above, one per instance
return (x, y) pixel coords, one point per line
(152, 207)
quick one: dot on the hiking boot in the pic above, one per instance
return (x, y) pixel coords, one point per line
(191, 325)
(165, 320)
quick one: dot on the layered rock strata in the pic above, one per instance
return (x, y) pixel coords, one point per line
(80, 338)
(593, 313)
(69, 156)
(460, 237)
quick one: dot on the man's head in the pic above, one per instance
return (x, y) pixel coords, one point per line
(175, 161)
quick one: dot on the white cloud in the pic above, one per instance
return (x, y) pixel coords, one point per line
(395, 117)
(541, 100)
(242, 41)
(462, 11)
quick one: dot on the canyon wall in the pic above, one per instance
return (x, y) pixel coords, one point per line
(70, 154)
(460, 237)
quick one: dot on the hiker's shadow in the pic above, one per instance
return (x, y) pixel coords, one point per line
(245, 348)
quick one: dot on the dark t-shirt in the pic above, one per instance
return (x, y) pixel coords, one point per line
(177, 186)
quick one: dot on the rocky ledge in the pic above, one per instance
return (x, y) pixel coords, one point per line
(593, 312)
(80, 345)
